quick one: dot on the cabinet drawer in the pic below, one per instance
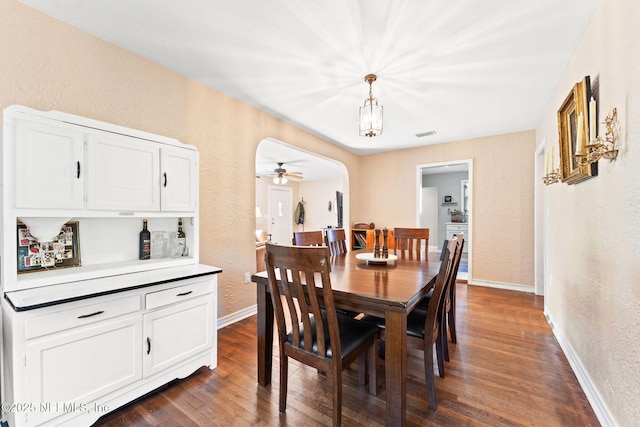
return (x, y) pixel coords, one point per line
(79, 316)
(460, 228)
(177, 294)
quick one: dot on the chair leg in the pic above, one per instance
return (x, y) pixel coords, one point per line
(337, 394)
(452, 321)
(428, 373)
(284, 368)
(373, 367)
(439, 355)
(443, 337)
(362, 370)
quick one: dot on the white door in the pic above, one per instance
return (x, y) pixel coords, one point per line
(178, 186)
(280, 214)
(429, 213)
(49, 166)
(122, 173)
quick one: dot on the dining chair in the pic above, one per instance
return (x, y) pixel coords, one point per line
(408, 242)
(449, 313)
(337, 241)
(320, 338)
(424, 326)
(308, 238)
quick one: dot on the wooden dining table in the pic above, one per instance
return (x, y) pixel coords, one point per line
(389, 290)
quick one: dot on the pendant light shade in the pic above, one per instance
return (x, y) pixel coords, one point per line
(370, 113)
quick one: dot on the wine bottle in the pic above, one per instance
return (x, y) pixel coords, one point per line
(182, 239)
(145, 242)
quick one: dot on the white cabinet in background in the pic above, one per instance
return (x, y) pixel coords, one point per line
(49, 163)
(179, 173)
(456, 228)
(122, 173)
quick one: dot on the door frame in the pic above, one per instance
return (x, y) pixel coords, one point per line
(469, 163)
(540, 223)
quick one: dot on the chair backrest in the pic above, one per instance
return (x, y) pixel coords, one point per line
(409, 242)
(449, 297)
(300, 273)
(436, 303)
(337, 241)
(308, 238)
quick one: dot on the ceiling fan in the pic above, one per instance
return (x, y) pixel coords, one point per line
(281, 174)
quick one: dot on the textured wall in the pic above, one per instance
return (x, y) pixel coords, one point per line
(502, 199)
(46, 64)
(593, 274)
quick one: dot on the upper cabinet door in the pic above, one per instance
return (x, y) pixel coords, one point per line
(179, 180)
(49, 166)
(122, 173)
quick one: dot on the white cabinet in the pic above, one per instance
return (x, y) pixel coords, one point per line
(69, 370)
(49, 162)
(103, 351)
(122, 173)
(455, 228)
(179, 173)
(176, 333)
(79, 342)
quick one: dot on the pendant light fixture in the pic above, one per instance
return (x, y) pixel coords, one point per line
(370, 112)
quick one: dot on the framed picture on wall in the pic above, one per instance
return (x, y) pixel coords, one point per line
(573, 132)
(63, 251)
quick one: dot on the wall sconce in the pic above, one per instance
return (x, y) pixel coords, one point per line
(553, 175)
(600, 148)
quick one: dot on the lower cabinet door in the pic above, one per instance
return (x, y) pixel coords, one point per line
(66, 371)
(177, 332)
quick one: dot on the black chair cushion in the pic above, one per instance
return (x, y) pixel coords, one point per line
(415, 322)
(353, 333)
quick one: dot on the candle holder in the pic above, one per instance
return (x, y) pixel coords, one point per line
(552, 177)
(602, 148)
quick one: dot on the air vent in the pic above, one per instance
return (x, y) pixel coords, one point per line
(428, 133)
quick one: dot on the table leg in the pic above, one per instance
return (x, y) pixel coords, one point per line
(396, 366)
(265, 335)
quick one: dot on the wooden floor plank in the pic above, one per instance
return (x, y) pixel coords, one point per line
(506, 370)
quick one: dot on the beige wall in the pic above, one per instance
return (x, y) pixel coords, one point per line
(46, 64)
(502, 199)
(593, 273)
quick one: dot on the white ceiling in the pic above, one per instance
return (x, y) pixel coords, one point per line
(464, 68)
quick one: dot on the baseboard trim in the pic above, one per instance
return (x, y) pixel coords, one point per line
(590, 390)
(499, 285)
(237, 316)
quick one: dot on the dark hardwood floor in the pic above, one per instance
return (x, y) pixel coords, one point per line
(507, 369)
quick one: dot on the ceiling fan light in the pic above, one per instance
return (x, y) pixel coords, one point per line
(283, 180)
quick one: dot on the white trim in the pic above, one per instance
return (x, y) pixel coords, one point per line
(237, 316)
(588, 387)
(500, 285)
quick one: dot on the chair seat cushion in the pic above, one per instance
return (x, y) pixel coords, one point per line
(415, 322)
(353, 333)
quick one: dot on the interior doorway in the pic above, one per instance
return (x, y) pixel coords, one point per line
(280, 214)
(447, 187)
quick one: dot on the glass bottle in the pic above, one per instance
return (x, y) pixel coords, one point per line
(145, 242)
(181, 239)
